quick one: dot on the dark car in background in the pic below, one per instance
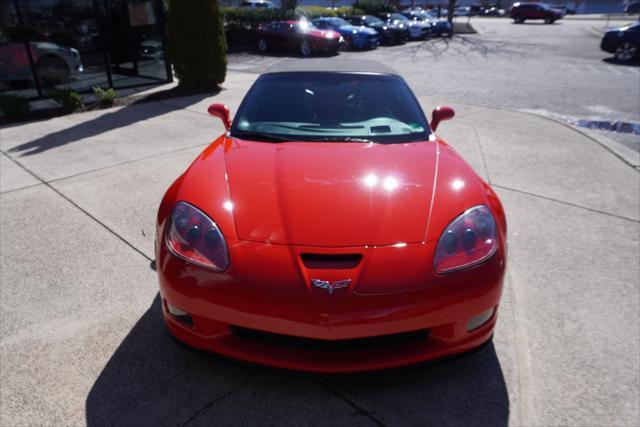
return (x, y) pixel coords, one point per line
(632, 8)
(389, 33)
(623, 42)
(300, 36)
(355, 37)
(521, 12)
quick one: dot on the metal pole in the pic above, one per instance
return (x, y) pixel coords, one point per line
(27, 46)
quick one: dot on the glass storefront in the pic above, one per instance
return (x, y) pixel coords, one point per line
(79, 44)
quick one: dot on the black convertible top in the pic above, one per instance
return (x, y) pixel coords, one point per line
(322, 65)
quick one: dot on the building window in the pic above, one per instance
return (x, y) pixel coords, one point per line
(79, 44)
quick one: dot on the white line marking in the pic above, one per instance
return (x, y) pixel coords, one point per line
(592, 68)
(613, 70)
(633, 70)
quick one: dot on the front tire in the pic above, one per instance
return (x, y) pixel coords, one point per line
(348, 43)
(262, 45)
(549, 20)
(305, 48)
(52, 70)
(626, 52)
(518, 20)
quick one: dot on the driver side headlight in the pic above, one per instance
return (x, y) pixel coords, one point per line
(192, 236)
(469, 240)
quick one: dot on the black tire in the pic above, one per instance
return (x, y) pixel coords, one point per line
(549, 20)
(348, 43)
(627, 51)
(52, 70)
(262, 45)
(518, 20)
(305, 48)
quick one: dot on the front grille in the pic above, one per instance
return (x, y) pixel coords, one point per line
(316, 344)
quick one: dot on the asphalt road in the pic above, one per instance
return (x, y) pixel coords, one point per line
(555, 70)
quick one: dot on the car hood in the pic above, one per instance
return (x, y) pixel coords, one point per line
(331, 194)
(349, 29)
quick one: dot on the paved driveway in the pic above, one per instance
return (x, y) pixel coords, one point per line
(82, 340)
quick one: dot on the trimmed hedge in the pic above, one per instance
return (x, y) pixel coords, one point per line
(197, 45)
(374, 7)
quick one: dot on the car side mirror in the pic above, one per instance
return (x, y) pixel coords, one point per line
(440, 114)
(222, 112)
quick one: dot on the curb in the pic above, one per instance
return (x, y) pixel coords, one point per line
(627, 155)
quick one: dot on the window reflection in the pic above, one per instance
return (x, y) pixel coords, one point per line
(79, 44)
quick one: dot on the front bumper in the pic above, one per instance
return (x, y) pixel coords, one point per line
(610, 42)
(274, 299)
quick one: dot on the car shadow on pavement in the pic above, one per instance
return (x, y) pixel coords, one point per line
(117, 118)
(613, 61)
(151, 379)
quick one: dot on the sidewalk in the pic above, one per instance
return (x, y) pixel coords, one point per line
(82, 336)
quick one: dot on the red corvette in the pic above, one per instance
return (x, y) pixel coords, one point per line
(301, 36)
(330, 229)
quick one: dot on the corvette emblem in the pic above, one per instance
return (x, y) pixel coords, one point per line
(329, 286)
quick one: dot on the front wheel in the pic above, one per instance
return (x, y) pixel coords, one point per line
(52, 70)
(518, 20)
(626, 52)
(305, 48)
(348, 43)
(549, 20)
(262, 45)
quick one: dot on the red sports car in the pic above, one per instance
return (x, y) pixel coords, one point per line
(301, 36)
(330, 229)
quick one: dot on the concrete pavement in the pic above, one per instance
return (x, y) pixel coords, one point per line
(82, 340)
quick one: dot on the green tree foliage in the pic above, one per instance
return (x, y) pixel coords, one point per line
(197, 45)
(374, 7)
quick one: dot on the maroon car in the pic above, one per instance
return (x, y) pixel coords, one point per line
(521, 12)
(300, 36)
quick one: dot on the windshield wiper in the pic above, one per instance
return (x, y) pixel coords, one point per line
(344, 139)
(260, 136)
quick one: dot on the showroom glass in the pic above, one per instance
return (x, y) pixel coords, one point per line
(331, 107)
(79, 44)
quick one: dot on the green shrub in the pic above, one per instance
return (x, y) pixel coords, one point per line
(374, 7)
(14, 106)
(197, 45)
(313, 12)
(105, 97)
(250, 19)
(70, 100)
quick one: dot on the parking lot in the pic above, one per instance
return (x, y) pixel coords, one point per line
(80, 319)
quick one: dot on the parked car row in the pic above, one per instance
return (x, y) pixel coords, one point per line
(330, 34)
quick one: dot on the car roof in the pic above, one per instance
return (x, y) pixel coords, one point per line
(321, 65)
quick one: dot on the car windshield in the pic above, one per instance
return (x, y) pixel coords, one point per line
(333, 107)
(338, 22)
(398, 17)
(372, 20)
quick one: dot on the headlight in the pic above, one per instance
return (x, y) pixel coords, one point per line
(468, 241)
(194, 237)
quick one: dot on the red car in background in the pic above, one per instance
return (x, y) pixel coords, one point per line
(329, 229)
(298, 36)
(521, 12)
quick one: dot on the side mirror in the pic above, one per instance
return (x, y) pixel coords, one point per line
(439, 114)
(222, 112)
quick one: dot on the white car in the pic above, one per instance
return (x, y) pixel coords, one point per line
(417, 29)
